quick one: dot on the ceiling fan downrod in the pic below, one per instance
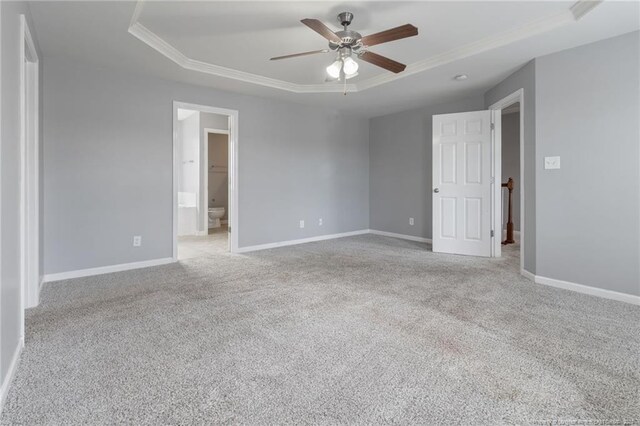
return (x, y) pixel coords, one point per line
(345, 19)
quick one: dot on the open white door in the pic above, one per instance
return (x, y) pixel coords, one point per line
(462, 183)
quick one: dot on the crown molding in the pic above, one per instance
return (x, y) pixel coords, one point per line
(576, 12)
(155, 42)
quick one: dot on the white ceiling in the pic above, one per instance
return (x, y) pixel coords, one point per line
(230, 44)
(217, 32)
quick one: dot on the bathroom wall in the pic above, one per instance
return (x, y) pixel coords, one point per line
(218, 172)
(190, 142)
(188, 162)
(213, 121)
(511, 166)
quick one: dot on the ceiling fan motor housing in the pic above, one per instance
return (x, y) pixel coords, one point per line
(350, 39)
(347, 42)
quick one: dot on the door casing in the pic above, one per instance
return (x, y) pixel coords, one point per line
(30, 274)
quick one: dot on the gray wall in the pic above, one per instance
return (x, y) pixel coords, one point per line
(113, 131)
(10, 180)
(400, 167)
(524, 78)
(587, 102)
(511, 166)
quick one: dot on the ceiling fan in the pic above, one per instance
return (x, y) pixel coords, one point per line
(348, 43)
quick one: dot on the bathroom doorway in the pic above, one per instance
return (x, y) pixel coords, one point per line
(205, 195)
(217, 182)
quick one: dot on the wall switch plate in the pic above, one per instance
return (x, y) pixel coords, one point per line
(137, 240)
(302, 224)
(411, 222)
(551, 163)
(320, 222)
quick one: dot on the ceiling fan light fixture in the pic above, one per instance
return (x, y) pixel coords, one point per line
(350, 66)
(333, 70)
(347, 42)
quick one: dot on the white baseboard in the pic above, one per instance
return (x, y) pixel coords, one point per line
(300, 241)
(401, 236)
(593, 291)
(527, 274)
(106, 269)
(11, 372)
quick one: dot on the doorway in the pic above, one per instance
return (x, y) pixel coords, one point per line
(468, 176)
(509, 158)
(217, 182)
(510, 197)
(29, 170)
(205, 176)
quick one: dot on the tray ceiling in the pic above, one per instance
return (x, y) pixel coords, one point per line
(227, 46)
(236, 39)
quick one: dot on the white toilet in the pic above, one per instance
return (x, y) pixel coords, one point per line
(215, 213)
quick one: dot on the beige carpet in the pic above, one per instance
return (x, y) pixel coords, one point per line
(361, 330)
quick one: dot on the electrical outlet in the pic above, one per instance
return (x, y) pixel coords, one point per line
(302, 224)
(320, 222)
(137, 240)
(411, 222)
(551, 163)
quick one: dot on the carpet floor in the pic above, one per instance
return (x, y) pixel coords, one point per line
(359, 330)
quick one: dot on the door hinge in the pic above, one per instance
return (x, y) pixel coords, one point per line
(492, 233)
(229, 229)
(493, 126)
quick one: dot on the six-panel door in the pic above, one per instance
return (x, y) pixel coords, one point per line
(462, 183)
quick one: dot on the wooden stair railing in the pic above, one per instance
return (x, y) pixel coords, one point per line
(509, 239)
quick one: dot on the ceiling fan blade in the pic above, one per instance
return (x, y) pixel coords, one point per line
(382, 62)
(322, 29)
(397, 33)
(313, 52)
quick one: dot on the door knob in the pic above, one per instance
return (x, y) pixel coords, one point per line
(436, 190)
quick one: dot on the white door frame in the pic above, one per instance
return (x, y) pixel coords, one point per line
(233, 171)
(29, 169)
(1, 395)
(205, 176)
(496, 108)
